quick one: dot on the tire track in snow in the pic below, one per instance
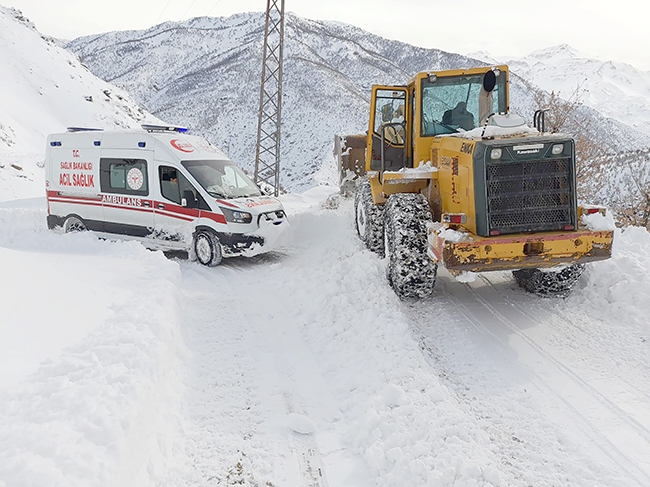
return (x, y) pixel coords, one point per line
(644, 430)
(627, 440)
(247, 384)
(642, 393)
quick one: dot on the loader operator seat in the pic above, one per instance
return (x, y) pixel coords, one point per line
(459, 116)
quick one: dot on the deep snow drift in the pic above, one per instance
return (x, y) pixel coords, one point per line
(301, 367)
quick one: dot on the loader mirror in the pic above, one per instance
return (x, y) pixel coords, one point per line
(489, 81)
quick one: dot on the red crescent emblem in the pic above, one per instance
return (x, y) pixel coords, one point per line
(182, 146)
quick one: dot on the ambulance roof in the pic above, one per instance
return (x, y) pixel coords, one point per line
(178, 144)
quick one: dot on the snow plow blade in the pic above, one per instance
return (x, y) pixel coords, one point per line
(350, 156)
(510, 252)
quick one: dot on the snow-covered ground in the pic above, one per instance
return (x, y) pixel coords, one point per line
(301, 367)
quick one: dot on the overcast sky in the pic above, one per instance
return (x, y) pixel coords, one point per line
(605, 29)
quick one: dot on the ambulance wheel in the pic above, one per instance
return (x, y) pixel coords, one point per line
(410, 271)
(74, 224)
(549, 282)
(207, 248)
(368, 218)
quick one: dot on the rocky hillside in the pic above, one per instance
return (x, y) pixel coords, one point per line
(44, 90)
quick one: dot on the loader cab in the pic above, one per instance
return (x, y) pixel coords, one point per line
(404, 119)
(452, 103)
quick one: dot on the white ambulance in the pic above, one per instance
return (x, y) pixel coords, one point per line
(161, 186)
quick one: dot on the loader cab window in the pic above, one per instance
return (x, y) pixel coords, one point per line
(390, 110)
(124, 176)
(175, 187)
(389, 128)
(459, 103)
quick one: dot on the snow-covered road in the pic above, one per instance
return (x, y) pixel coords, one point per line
(544, 380)
(302, 368)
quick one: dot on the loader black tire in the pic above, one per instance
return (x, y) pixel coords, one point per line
(410, 271)
(550, 283)
(368, 218)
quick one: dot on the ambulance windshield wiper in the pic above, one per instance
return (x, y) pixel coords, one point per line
(217, 193)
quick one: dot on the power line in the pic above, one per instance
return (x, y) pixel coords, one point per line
(163, 11)
(192, 5)
(215, 6)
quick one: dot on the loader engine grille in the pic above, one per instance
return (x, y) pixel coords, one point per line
(530, 196)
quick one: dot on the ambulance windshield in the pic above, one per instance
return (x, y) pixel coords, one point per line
(222, 179)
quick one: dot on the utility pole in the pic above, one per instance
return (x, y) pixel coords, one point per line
(267, 157)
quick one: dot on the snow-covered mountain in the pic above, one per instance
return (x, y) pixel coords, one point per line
(205, 73)
(44, 89)
(617, 90)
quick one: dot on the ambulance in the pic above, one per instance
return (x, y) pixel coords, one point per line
(160, 186)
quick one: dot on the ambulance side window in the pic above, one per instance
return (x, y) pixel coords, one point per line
(174, 186)
(124, 176)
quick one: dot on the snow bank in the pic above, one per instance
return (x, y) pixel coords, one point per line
(396, 414)
(90, 332)
(620, 287)
(300, 202)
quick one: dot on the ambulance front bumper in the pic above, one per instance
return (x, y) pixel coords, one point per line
(273, 232)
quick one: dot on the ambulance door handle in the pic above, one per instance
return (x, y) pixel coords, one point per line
(146, 203)
(160, 206)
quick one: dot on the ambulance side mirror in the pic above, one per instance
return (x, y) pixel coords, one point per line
(188, 200)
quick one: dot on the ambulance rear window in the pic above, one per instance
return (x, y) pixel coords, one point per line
(124, 176)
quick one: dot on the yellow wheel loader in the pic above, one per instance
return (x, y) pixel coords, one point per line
(452, 178)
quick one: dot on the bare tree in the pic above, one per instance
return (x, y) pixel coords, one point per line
(567, 115)
(620, 181)
(635, 208)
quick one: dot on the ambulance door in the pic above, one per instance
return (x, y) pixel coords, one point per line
(126, 193)
(73, 185)
(177, 206)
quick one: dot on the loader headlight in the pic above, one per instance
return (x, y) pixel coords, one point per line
(496, 154)
(234, 216)
(557, 149)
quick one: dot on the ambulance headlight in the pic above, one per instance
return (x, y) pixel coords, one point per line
(557, 149)
(236, 216)
(495, 154)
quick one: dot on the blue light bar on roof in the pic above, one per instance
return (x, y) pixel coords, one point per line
(164, 128)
